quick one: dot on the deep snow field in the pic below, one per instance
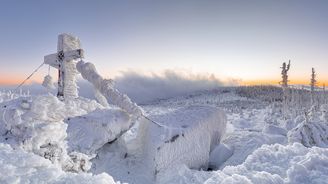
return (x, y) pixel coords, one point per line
(45, 140)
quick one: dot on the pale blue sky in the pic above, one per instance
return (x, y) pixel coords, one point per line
(246, 39)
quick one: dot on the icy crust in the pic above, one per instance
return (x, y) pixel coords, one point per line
(88, 133)
(19, 166)
(36, 125)
(182, 140)
(269, 164)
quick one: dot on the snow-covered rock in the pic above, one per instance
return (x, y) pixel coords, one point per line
(162, 142)
(88, 133)
(187, 136)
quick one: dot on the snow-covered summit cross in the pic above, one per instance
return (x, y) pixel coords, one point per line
(68, 49)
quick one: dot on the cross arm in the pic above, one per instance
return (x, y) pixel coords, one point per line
(54, 59)
(72, 54)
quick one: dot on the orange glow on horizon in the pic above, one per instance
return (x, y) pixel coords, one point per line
(10, 81)
(276, 82)
(15, 80)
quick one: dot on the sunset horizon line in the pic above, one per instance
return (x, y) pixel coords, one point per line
(272, 82)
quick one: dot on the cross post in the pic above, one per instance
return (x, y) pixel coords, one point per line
(68, 50)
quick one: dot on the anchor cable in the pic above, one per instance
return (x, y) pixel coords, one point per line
(28, 77)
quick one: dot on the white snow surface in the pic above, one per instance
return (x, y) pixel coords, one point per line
(260, 146)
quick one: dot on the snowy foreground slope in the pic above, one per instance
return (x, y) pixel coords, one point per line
(44, 140)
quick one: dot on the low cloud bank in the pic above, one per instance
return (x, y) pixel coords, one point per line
(143, 88)
(146, 88)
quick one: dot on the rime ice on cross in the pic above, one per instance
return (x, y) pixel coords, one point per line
(68, 49)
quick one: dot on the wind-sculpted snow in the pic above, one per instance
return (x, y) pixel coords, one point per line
(269, 164)
(18, 166)
(37, 125)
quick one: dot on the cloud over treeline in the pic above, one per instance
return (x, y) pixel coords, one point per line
(145, 88)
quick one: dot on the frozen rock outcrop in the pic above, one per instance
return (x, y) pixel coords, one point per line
(187, 137)
(88, 133)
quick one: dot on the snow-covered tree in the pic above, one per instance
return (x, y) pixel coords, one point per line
(313, 83)
(313, 80)
(284, 84)
(285, 69)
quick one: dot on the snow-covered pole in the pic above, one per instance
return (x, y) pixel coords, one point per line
(105, 87)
